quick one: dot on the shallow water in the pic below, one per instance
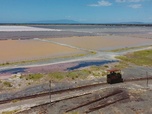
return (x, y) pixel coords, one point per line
(13, 71)
(91, 63)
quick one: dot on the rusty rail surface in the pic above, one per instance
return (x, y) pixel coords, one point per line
(105, 105)
(93, 101)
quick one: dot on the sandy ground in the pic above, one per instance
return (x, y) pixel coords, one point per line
(103, 42)
(17, 50)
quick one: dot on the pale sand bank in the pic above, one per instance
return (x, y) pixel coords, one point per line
(19, 50)
(23, 28)
(103, 42)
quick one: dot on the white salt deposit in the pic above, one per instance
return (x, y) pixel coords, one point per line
(23, 28)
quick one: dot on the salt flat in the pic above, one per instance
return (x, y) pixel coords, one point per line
(104, 42)
(21, 50)
(23, 28)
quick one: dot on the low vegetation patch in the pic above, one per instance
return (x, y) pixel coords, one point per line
(121, 65)
(10, 112)
(34, 76)
(79, 74)
(127, 48)
(96, 71)
(7, 84)
(93, 52)
(140, 58)
(124, 49)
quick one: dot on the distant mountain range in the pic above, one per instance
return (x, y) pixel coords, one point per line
(132, 23)
(63, 21)
(67, 21)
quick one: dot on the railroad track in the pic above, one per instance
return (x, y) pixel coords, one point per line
(93, 101)
(120, 96)
(88, 102)
(104, 105)
(66, 90)
(101, 102)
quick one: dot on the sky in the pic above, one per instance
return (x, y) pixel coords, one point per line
(84, 11)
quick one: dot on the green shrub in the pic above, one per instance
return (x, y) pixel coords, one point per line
(34, 76)
(70, 75)
(57, 75)
(7, 84)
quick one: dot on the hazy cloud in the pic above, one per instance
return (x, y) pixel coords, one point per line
(101, 3)
(135, 0)
(135, 6)
(121, 1)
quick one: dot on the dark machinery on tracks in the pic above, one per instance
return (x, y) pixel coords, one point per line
(114, 76)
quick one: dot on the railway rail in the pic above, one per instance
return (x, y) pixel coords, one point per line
(91, 104)
(67, 90)
(104, 105)
(101, 102)
(93, 101)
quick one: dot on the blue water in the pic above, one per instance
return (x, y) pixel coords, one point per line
(91, 63)
(13, 71)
